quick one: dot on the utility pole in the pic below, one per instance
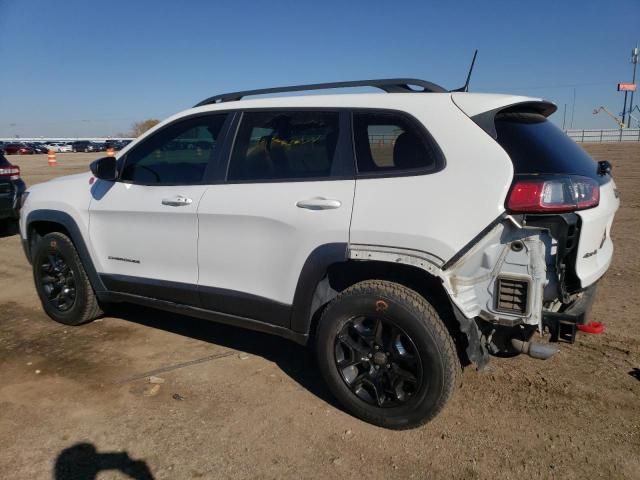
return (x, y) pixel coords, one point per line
(573, 106)
(634, 61)
(564, 117)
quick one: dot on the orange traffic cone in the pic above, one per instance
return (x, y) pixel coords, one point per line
(51, 158)
(110, 152)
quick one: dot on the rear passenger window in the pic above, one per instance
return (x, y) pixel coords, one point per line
(176, 155)
(388, 142)
(284, 145)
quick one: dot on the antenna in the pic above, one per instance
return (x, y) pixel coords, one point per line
(465, 88)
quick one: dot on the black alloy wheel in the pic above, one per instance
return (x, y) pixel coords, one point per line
(378, 361)
(63, 286)
(58, 282)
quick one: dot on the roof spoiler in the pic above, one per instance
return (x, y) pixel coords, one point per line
(487, 120)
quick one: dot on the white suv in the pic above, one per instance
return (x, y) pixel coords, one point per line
(403, 234)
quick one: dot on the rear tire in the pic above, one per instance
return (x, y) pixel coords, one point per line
(386, 355)
(61, 281)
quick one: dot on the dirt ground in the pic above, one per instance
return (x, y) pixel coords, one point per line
(240, 404)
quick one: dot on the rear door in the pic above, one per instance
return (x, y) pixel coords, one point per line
(289, 191)
(144, 227)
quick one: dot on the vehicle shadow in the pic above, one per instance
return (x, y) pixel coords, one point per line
(83, 462)
(295, 360)
(635, 373)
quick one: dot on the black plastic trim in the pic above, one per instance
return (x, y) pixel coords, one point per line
(64, 219)
(183, 293)
(245, 305)
(221, 300)
(313, 271)
(389, 85)
(210, 315)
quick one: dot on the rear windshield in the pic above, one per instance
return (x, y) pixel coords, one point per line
(536, 145)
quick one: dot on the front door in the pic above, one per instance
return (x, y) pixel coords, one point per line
(144, 227)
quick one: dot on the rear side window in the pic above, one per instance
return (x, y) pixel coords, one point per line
(536, 145)
(392, 143)
(176, 155)
(285, 145)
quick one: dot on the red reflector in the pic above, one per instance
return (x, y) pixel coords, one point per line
(553, 194)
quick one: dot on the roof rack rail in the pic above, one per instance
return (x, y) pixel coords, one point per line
(389, 85)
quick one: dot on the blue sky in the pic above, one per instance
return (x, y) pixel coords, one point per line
(83, 67)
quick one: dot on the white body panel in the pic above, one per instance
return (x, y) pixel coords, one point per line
(130, 224)
(595, 248)
(254, 239)
(70, 195)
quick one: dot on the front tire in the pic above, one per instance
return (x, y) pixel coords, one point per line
(61, 281)
(386, 355)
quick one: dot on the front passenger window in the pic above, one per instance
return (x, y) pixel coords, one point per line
(176, 155)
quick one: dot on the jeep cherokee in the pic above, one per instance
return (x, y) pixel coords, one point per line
(403, 234)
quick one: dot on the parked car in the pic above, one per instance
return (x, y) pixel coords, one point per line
(401, 234)
(58, 147)
(37, 147)
(11, 189)
(84, 146)
(116, 145)
(17, 149)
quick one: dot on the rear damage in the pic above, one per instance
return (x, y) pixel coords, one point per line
(534, 270)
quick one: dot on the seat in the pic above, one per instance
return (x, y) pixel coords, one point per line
(409, 152)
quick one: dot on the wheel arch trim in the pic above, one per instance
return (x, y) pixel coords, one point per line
(65, 220)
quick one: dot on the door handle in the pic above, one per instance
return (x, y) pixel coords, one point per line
(177, 201)
(319, 203)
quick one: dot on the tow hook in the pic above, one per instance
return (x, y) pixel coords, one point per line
(541, 351)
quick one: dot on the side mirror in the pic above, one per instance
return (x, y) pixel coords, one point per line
(104, 168)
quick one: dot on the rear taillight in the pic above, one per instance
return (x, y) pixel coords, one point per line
(553, 194)
(11, 172)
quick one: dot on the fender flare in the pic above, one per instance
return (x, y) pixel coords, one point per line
(311, 293)
(315, 268)
(70, 225)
